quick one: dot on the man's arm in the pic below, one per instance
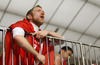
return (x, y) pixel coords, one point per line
(43, 33)
(22, 42)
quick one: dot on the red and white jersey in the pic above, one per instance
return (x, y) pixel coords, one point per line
(64, 63)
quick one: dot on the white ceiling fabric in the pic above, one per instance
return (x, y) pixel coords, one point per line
(77, 20)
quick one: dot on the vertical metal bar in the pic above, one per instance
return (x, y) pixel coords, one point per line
(95, 56)
(19, 57)
(86, 56)
(12, 46)
(27, 57)
(99, 55)
(26, 54)
(40, 50)
(33, 47)
(61, 52)
(3, 44)
(73, 54)
(81, 49)
(47, 50)
(54, 51)
(67, 54)
(77, 54)
(89, 55)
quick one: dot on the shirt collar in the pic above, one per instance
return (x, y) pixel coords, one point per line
(36, 28)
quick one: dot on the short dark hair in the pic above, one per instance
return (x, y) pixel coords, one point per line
(30, 11)
(64, 48)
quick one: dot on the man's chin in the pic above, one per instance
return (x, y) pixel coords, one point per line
(41, 22)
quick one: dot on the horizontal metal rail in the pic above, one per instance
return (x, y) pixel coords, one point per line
(79, 50)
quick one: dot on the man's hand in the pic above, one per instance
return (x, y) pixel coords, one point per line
(41, 58)
(41, 34)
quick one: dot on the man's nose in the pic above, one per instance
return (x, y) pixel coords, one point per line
(42, 13)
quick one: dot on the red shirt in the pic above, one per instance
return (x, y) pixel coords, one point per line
(24, 24)
(64, 63)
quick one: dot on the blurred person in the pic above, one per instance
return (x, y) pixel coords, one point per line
(34, 19)
(65, 56)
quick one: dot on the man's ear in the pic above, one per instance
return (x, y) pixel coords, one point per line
(29, 16)
(62, 51)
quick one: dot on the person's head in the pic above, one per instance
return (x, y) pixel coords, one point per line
(64, 52)
(36, 15)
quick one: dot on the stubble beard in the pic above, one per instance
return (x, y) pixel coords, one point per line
(37, 22)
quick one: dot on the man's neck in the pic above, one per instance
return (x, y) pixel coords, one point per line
(37, 24)
(36, 28)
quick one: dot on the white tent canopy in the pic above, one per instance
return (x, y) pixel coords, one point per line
(77, 20)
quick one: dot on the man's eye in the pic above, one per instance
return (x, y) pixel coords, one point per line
(38, 10)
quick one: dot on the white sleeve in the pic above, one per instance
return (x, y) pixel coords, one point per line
(18, 31)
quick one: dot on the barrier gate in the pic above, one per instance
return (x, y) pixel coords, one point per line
(83, 53)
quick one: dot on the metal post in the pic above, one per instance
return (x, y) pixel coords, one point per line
(19, 57)
(67, 54)
(89, 55)
(61, 52)
(95, 56)
(83, 63)
(73, 54)
(54, 51)
(40, 50)
(77, 54)
(86, 56)
(33, 46)
(3, 44)
(47, 50)
(26, 54)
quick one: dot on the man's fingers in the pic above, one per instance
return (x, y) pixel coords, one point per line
(44, 62)
(38, 35)
(33, 33)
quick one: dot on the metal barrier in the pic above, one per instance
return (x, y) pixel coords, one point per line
(82, 52)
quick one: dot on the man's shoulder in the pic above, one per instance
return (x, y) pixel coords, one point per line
(19, 23)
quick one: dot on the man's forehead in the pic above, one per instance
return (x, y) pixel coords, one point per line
(37, 8)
